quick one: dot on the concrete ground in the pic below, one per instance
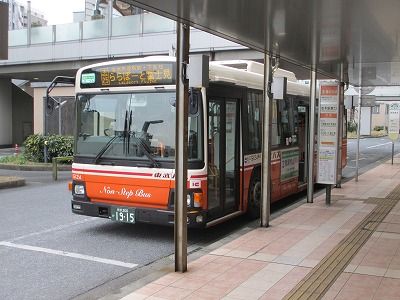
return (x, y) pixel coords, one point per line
(358, 235)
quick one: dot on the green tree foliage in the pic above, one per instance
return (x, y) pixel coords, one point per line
(57, 145)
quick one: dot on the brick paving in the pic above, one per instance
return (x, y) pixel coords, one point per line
(267, 263)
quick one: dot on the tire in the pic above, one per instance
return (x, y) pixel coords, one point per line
(254, 199)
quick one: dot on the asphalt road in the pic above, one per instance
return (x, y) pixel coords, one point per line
(47, 252)
(373, 151)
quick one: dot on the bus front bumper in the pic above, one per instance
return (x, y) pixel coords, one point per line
(195, 219)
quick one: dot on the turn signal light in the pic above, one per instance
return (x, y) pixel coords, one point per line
(197, 199)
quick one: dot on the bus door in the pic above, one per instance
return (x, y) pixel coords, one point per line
(223, 156)
(303, 142)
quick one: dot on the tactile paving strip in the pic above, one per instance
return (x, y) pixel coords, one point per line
(323, 275)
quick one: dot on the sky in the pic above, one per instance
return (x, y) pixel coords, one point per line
(57, 11)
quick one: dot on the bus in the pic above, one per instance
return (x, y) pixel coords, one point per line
(123, 166)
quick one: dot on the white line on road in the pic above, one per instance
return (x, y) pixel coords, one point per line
(361, 158)
(69, 254)
(375, 146)
(57, 228)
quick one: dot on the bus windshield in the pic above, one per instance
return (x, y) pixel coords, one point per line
(132, 126)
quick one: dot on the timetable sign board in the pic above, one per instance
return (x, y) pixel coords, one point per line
(394, 119)
(328, 127)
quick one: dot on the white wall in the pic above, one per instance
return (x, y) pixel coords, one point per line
(365, 128)
(5, 112)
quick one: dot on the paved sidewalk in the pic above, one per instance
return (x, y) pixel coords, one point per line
(268, 263)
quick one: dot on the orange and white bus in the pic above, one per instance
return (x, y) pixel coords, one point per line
(124, 153)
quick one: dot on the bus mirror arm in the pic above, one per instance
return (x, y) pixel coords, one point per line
(147, 124)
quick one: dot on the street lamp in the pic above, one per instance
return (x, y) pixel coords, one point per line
(52, 103)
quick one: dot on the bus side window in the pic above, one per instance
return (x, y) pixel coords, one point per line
(255, 111)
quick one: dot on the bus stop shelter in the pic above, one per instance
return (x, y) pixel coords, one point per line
(353, 41)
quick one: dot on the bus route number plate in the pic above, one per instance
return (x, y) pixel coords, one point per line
(123, 214)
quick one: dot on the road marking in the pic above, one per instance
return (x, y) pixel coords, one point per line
(362, 158)
(57, 228)
(375, 146)
(70, 254)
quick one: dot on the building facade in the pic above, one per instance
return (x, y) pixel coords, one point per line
(18, 15)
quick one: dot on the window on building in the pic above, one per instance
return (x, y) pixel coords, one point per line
(376, 109)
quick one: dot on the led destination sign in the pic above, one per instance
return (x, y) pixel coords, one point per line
(129, 74)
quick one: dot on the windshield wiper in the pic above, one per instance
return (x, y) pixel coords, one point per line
(106, 146)
(145, 136)
(147, 152)
(129, 132)
(104, 149)
(125, 133)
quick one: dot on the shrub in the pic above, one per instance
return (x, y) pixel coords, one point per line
(351, 126)
(379, 128)
(15, 159)
(57, 145)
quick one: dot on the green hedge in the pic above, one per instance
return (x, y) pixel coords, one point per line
(379, 128)
(352, 127)
(57, 145)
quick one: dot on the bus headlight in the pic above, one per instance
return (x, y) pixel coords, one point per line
(79, 189)
(189, 200)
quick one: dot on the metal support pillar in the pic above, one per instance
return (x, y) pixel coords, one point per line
(29, 27)
(359, 109)
(59, 120)
(313, 95)
(392, 151)
(340, 131)
(266, 146)
(181, 141)
(328, 194)
(311, 137)
(358, 132)
(110, 25)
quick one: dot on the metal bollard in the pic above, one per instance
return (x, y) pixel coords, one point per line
(45, 152)
(54, 162)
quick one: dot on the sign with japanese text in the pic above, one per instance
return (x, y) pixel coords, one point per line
(328, 115)
(394, 119)
(129, 74)
(289, 164)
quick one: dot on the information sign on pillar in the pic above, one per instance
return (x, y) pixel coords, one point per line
(328, 127)
(394, 119)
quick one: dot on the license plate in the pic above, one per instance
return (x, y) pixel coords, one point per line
(123, 214)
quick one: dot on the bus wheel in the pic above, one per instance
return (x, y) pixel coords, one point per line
(254, 201)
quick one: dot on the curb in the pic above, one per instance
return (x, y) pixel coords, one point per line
(10, 182)
(44, 167)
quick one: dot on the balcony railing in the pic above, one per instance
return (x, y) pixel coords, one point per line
(140, 24)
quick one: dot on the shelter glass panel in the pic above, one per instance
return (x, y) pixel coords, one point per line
(41, 35)
(67, 32)
(153, 23)
(129, 25)
(95, 29)
(18, 37)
